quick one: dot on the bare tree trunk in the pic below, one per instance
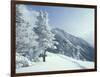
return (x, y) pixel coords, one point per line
(44, 56)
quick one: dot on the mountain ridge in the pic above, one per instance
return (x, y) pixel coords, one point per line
(72, 46)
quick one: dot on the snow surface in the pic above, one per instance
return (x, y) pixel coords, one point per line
(56, 62)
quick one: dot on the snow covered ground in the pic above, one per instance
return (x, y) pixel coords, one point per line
(56, 62)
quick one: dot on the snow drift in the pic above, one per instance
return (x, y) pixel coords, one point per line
(56, 62)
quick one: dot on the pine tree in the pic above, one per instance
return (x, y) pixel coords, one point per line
(25, 36)
(46, 37)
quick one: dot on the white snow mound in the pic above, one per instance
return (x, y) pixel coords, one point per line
(56, 62)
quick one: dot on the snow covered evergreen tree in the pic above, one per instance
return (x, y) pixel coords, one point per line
(46, 37)
(25, 36)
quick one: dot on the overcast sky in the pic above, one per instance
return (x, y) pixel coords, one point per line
(76, 21)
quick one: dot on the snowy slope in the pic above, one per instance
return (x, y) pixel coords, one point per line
(56, 62)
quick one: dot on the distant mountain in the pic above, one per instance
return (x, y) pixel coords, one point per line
(72, 46)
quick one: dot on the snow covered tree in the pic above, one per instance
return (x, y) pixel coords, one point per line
(78, 54)
(22, 61)
(46, 37)
(25, 36)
